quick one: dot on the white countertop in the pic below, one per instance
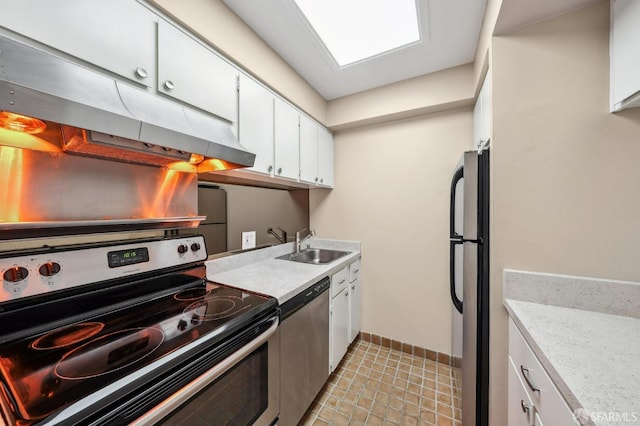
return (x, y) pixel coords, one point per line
(261, 272)
(591, 355)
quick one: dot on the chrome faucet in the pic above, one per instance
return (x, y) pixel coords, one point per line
(300, 241)
(282, 239)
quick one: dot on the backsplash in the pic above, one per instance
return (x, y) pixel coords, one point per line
(589, 294)
(257, 209)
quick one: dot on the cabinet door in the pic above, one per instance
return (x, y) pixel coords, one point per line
(339, 327)
(325, 157)
(625, 54)
(286, 138)
(255, 123)
(355, 310)
(117, 35)
(192, 73)
(520, 410)
(339, 281)
(549, 402)
(308, 150)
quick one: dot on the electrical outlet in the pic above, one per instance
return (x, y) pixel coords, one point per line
(248, 240)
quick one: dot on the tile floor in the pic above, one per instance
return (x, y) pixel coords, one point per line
(377, 385)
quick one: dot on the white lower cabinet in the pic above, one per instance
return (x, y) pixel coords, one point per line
(355, 301)
(339, 319)
(548, 405)
(520, 409)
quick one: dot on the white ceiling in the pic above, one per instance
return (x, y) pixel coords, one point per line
(450, 31)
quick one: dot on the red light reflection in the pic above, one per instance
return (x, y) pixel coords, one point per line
(11, 179)
(156, 202)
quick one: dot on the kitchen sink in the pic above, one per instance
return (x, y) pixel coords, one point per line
(315, 256)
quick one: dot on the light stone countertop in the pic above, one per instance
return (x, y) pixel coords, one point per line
(261, 272)
(586, 336)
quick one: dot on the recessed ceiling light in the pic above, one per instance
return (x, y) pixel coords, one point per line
(353, 30)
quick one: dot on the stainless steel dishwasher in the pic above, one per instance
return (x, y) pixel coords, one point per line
(304, 350)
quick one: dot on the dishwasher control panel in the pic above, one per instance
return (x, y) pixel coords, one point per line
(304, 297)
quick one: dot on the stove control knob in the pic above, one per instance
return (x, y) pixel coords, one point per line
(182, 248)
(15, 274)
(195, 246)
(49, 269)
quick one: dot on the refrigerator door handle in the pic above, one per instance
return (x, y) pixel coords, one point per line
(457, 177)
(452, 273)
(454, 239)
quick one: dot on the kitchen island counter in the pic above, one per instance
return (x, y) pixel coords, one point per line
(261, 272)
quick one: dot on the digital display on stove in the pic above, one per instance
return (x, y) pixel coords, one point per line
(127, 257)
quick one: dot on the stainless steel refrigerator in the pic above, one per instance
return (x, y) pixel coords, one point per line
(469, 257)
(212, 203)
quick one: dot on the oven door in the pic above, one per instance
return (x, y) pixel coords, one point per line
(244, 388)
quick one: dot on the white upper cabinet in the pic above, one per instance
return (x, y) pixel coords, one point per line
(316, 153)
(118, 35)
(268, 126)
(192, 73)
(255, 122)
(325, 158)
(308, 150)
(624, 51)
(287, 137)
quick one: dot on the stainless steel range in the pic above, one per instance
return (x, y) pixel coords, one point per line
(132, 332)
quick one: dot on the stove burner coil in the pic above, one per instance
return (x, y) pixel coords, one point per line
(109, 353)
(67, 336)
(214, 308)
(191, 294)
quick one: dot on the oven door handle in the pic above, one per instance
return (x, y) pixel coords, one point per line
(161, 410)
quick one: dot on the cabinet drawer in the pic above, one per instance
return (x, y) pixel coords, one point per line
(549, 403)
(520, 409)
(354, 271)
(339, 281)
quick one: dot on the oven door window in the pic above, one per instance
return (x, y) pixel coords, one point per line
(238, 397)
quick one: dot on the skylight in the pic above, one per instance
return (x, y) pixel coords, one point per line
(353, 30)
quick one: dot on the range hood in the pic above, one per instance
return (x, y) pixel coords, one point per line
(41, 85)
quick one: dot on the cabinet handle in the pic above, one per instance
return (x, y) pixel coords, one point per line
(525, 374)
(341, 281)
(270, 168)
(279, 170)
(346, 293)
(321, 180)
(316, 180)
(141, 73)
(525, 407)
(356, 271)
(353, 287)
(169, 85)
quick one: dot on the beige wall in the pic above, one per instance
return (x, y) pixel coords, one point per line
(448, 89)
(391, 192)
(222, 28)
(565, 171)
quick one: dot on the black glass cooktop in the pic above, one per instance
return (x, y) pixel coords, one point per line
(46, 371)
